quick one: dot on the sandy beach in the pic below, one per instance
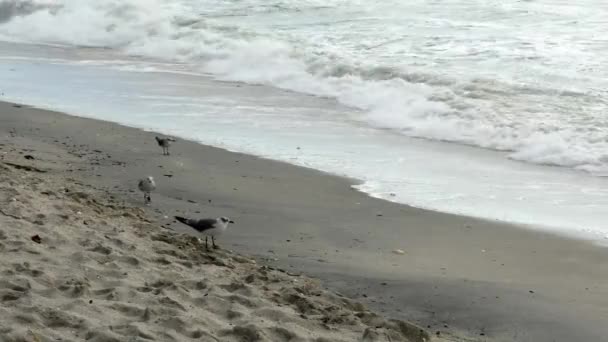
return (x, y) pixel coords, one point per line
(108, 268)
(79, 264)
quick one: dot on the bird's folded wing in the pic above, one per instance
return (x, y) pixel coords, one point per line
(202, 224)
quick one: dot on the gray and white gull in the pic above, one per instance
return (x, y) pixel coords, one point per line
(147, 185)
(164, 143)
(207, 226)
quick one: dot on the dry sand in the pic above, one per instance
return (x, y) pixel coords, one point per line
(76, 264)
(458, 276)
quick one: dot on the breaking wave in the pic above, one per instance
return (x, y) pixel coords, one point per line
(535, 122)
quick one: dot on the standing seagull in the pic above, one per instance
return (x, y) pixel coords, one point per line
(164, 143)
(208, 227)
(146, 186)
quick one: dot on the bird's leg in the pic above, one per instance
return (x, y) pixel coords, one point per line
(206, 245)
(213, 242)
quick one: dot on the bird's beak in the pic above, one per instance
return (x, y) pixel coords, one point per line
(231, 221)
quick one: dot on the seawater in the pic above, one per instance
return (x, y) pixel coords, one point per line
(520, 82)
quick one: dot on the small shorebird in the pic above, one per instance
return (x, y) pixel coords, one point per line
(208, 227)
(147, 185)
(164, 143)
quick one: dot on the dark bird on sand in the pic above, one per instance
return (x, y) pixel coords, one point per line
(207, 226)
(164, 143)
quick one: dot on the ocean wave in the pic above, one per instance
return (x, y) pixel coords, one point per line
(10, 9)
(415, 101)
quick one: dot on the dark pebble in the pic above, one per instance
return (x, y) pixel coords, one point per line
(36, 238)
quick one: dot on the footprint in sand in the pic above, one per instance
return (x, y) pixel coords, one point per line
(74, 288)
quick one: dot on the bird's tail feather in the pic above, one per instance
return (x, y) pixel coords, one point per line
(182, 219)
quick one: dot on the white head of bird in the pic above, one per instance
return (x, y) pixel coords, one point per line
(224, 221)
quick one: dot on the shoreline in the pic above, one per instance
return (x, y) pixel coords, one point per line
(440, 176)
(354, 183)
(451, 267)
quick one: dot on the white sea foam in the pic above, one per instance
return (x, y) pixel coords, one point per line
(489, 75)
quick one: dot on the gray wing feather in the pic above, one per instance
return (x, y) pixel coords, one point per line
(203, 224)
(198, 225)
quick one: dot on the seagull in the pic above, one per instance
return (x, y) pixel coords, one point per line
(164, 143)
(146, 186)
(208, 226)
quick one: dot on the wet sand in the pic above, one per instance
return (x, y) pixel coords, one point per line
(458, 276)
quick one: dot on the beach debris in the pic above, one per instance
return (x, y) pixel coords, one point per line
(164, 143)
(168, 175)
(28, 157)
(398, 251)
(147, 185)
(36, 238)
(207, 226)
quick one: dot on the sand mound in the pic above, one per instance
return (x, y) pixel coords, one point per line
(77, 265)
